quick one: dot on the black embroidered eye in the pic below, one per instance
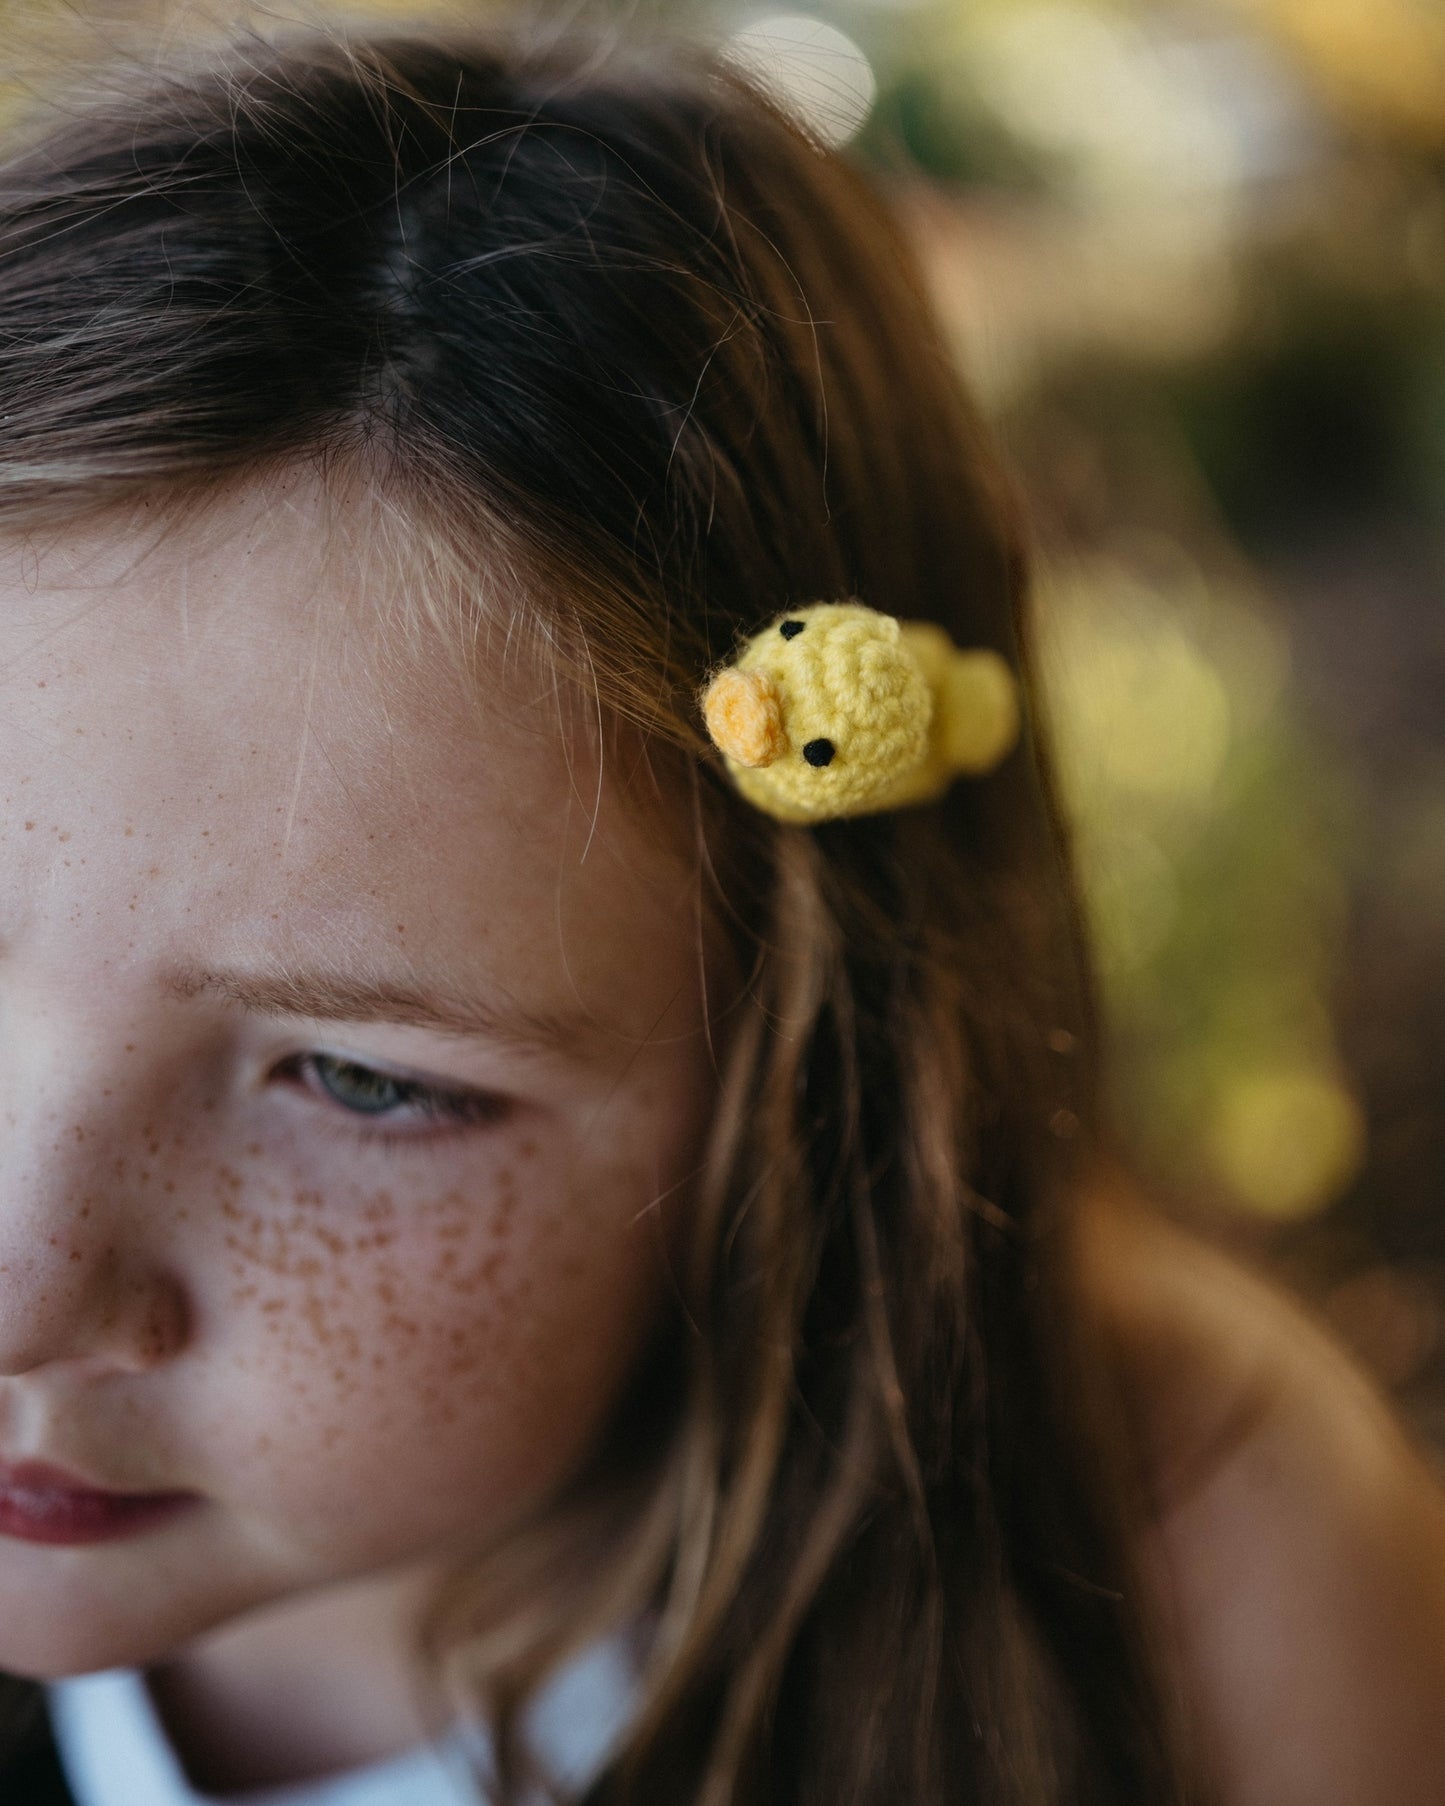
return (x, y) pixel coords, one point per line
(819, 752)
(791, 629)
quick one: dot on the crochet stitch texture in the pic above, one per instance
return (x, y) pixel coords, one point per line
(836, 709)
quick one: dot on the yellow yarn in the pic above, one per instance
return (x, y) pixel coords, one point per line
(836, 710)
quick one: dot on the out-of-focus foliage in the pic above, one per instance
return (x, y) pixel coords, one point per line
(1210, 829)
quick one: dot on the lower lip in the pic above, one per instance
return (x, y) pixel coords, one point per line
(40, 1509)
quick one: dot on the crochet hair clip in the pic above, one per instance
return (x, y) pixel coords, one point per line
(838, 710)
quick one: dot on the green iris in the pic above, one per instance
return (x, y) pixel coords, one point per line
(359, 1088)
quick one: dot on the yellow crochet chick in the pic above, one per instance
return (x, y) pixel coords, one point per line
(836, 709)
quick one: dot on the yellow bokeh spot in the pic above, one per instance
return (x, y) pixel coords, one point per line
(1287, 1142)
(1152, 712)
(1381, 58)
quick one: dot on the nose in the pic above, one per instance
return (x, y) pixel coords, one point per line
(79, 1281)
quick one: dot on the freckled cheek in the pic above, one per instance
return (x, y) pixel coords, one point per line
(474, 1335)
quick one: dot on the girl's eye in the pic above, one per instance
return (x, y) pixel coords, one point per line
(382, 1098)
(358, 1088)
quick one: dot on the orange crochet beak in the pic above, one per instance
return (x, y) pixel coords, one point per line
(743, 711)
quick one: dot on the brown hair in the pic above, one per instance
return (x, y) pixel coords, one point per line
(596, 313)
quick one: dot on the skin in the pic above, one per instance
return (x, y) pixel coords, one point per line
(1295, 1547)
(363, 1357)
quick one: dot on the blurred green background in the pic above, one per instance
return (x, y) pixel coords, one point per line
(1192, 258)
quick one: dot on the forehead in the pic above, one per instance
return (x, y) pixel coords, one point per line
(258, 734)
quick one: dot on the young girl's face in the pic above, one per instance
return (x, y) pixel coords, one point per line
(353, 1052)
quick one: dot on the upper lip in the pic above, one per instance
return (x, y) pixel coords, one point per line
(43, 1477)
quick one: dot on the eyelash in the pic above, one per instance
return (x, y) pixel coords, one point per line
(431, 1106)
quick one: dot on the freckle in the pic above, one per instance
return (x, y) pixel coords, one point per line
(28, 826)
(129, 832)
(486, 1272)
(41, 684)
(75, 1254)
(64, 837)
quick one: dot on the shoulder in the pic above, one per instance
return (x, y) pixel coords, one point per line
(1297, 1538)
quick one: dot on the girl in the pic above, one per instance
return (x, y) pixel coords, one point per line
(504, 1239)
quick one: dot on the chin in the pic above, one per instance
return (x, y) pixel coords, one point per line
(62, 1649)
(68, 1629)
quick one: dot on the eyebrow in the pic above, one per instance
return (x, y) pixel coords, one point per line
(327, 996)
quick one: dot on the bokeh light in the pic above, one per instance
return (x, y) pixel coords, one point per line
(813, 69)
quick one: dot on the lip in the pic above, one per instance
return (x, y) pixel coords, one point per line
(44, 1504)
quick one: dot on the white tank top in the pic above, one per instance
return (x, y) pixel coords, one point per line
(114, 1750)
